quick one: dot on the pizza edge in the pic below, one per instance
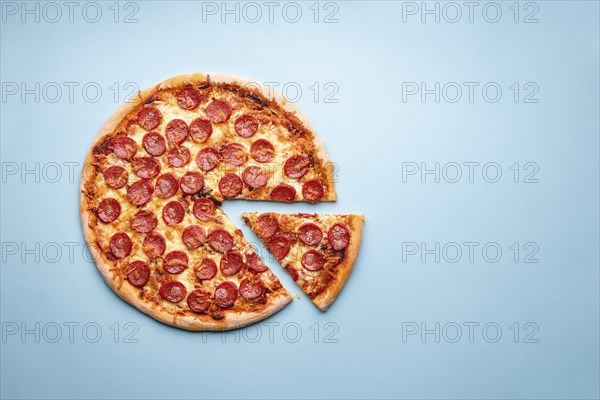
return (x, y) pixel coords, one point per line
(232, 319)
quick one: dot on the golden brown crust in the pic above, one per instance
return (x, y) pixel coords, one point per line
(107, 269)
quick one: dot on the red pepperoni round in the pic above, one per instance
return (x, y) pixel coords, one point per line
(173, 213)
(339, 236)
(175, 262)
(139, 273)
(207, 159)
(231, 263)
(200, 130)
(313, 260)
(189, 98)
(220, 240)
(173, 291)
(292, 272)
(204, 209)
(310, 234)
(262, 150)
(116, 177)
(206, 270)
(177, 131)
(140, 192)
(251, 289)
(246, 125)
(312, 191)
(124, 147)
(234, 154)
(179, 156)
(230, 185)
(154, 144)
(255, 177)
(283, 192)
(146, 167)
(218, 111)
(108, 210)
(266, 226)
(154, 245)
(198, 301)
(296, 166)
(279, 246)
(166, 186)
(193, 236)
(149, 117)
(192, 182)
(120, 245)
(226, 294)
(255, 263)
(144, 221)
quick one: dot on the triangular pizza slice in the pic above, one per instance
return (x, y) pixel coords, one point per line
(317, 250)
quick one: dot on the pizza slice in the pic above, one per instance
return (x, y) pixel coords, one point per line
(317, 250)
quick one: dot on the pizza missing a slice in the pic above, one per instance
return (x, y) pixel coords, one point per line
(317, 250)
(161, 165)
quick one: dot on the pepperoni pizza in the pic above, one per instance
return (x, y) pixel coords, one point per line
(150, 202)
(317, 250)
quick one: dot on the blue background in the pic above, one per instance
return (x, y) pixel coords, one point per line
(369, 132)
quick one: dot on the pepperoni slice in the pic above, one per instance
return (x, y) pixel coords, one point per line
(255, 177)
(177, 131)
(220, 240)
(175, 262)
(154, 144)
(124, 147)
(179, 156)
(255, 263)
(206, 270)
(296, 166)
(116, 177)
(207, 159)
(266, 226)
(146, 167)
(120, 245)
(312, 191)
(173, 291)
(313, 260)
(339, 236)
(246, 125)
(193, 236)
(218, 111)
(149, 117)
(226, 294)
(292, 272)
(283, 192)
(144, 221)
(189, 98)
(251, 289)
(166, 186)
(234, 154)
(230, 185)
(108, 210)
(173, 213)
(200, 130)
(140, 192)
(192, 182)
(198, 301)
(231, 263)
(154, 245)
(262, 150)
(204, 209)
(279, 246)
(310, 234)
(139, 273)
